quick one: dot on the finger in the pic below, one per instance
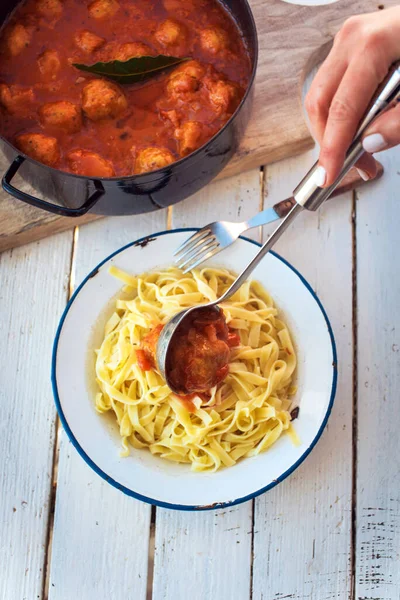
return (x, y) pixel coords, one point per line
(348, 105)
(384, 133)
(322, 90)
(367, 167)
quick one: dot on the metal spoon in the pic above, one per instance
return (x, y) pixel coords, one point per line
(170, 329)
(308, 194)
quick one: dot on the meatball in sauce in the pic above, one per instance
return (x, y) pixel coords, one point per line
(89, 163)
(16, 100)
(40, 147)
(102, 99)
(49, 64)
(17, 39)
(199, 353)
(198, 357)
(61, 115)
(151, 159)
(89, 42)
(90, 125)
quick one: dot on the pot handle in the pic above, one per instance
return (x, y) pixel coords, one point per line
(53, 208)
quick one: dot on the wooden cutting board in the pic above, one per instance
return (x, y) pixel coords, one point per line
(292, 39)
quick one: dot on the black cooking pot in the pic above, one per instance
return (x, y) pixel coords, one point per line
(74, 195)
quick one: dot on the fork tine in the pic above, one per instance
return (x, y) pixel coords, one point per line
(195, 248)
(190, 247)
(193, 238)
(205, 257)
(195, 256)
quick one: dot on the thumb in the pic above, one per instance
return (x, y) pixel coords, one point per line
(385, 133)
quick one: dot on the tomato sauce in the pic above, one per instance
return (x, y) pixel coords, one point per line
(44, 37)
(146, 354)
(144, 361)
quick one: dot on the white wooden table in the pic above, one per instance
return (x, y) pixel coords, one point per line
(331, 530)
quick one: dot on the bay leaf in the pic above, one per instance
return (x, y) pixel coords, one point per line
(133, 70)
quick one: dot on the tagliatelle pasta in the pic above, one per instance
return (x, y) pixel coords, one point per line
(243, 416)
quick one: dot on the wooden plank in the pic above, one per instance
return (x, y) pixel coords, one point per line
(203, 555)
(33, 290)
(290, 37)
(101, 537)
(378, 352)
(302, 528)
(235, 199)
(192, 547)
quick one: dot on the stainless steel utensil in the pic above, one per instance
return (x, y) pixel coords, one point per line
(214, 237)
(171, 327)
(307, 195)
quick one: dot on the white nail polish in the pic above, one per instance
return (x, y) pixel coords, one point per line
(364, 176)
(319, 176)
(374, 143)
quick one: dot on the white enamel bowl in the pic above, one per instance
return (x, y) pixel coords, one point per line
(150, 478)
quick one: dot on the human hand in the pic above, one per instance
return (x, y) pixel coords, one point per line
(360, 58)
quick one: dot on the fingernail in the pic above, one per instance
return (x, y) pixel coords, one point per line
(374, 143)
(320, 176)
(363, 174)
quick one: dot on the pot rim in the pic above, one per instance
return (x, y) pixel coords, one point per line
(192, 158)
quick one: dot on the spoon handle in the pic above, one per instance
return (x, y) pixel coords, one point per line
(297, 208)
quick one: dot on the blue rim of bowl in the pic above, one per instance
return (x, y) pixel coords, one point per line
(152, 501)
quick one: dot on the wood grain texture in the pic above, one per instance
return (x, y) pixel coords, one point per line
(203, 555)
(234, 199)
(33, 290)
(378, 442)
(192, 547)
(302, 528)
(292, 39)
(101, 537)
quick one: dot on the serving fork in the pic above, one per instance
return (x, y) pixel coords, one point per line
(214, 237)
